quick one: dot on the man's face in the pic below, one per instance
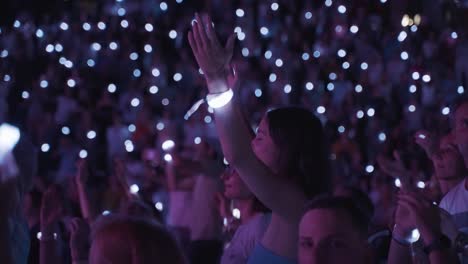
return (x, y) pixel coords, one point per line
(461, 130)
(328, 236)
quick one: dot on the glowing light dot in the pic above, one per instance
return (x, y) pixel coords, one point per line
(45, 147)
(49, 49)
(354, 29)
(241, 36)
(163, 6)
(341, 53)
(421, 185)
(177, 77)
(86, 26)
(91, 134)
(426, 78)
(328, 3)
(173, 34)
(454, 35)
(121, 11)
(106, 212)
(309, 86)
(360, 114)
(316, 54)
(168, 157)
(71, 83)
(96, 46)
(131, 128)
(460, 90)
(411, 108)
(39, 33)
(279, 62)
(63, 26)
(413, 88)
(124, 23)
(370, 112)
(236, 213)
(160, 126)
(208, 119)
(345, 65)
(404, 55)
(414, 28)
(113, 46)
(287, 89)
(58, 47)
(153, 89)
(165, 102)
(149, 27)
(90, 63)
(159, 206)
(268, 54)
(197, 140)
(274, 6)
(332, 76)
(305, 56)
(321, 110)
(258, 92)
(342, 9)
(134, 189)
(136, 73)
(240, 12)
(341, 129)
(133, 56)
(415, 75)
(167, 145)
(264, 31)
(83, 154)
(155, 72)
(308, 15)
(245, 52)
(148, 48)
(358, 88)
(272, 77)
(364, 66)
(135, 102)
(369, 168)
(330, 87)
(445, 110)
(382, 137)
(101, 25)
(44, 84)
(402, 36)
(398, 183)
(25, 95)
(111, 88)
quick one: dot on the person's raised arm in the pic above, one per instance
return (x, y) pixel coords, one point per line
(426, 217)
(51, 210)
(87, 210)
(234, 133)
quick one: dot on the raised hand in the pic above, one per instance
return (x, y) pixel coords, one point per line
(395, 168)
(51, 208)
(79, 239)
(82, 174)
(426, 141)
(422, 214)
(212, 58)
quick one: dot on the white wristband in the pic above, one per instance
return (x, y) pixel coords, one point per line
(219, 100)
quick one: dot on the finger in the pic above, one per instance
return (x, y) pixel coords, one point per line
(417, 204)
(211, 34)
(230, 44)
(201, 31)
(197, 37)
(192, 42)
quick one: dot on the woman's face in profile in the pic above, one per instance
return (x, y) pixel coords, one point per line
(264, 147)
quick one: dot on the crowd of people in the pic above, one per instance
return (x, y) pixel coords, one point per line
(235, 132)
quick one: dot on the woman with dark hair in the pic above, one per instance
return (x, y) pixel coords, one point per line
(249, 225)
(284, 165)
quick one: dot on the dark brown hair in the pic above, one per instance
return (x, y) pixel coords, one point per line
(304, 155)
